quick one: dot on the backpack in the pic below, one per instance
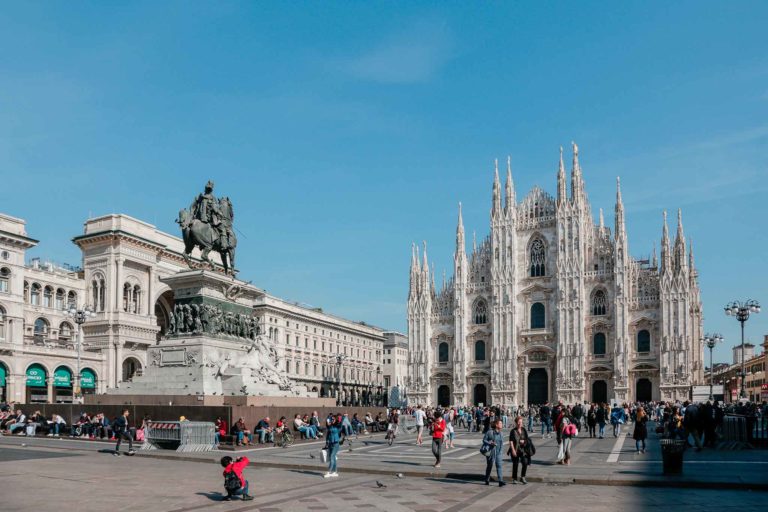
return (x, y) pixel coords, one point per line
(232, 482)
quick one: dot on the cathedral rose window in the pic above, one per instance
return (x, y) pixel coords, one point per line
(598, 303)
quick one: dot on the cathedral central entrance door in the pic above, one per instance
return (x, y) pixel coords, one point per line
(643, 390)
(537, 386)
(443, 396)
(480, 393)
(600, 392)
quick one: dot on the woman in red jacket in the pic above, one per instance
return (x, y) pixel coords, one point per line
(438, 427)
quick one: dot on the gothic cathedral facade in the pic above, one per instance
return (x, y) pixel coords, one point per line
(551, 306)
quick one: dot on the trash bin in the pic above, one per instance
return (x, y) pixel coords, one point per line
(672, 455)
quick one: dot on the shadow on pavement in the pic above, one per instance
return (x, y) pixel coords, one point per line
(213, 496)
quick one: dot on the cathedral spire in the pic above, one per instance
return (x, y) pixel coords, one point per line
(460, 247)
(496, 211)
(510, 199)
(433, 278)
(474, 242)
(680, 252)
(619, 227)
(654, 259)
(561, 188)
(691, 264)
(425, 267)
(576, 180)
(666, 256)
(602, 221)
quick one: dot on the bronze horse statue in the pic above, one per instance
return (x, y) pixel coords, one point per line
(201, 234)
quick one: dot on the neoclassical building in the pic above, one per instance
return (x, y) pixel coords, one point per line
(552, 306)
(123, 262)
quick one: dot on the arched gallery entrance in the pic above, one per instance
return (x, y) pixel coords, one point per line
(643, 390)
(480, 393)
(538, 392)
(443, 396)
(600, 392)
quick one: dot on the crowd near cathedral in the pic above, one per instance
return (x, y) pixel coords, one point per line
(552, 306)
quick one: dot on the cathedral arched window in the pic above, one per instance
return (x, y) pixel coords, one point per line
(442, 353)
(5, 278)
(537, 315)
(643, 341)
(598, 303)
(481, 310)
(48, 297)
(36, 292)
(538, 257)
(60, 298)
(598, 344)
(480, 350)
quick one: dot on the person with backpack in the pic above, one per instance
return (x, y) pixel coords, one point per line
(234, 482)
(567, 432)
(493, 444)
(121, 429)
(617, 419)
(592, 420)
(521, 450)
(546, 421)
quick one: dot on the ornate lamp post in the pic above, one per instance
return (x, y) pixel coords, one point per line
(379, 397)
(710, 340)
(741, 311)
(79, 316)
(340, 358)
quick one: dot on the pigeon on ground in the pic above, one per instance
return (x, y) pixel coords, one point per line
(311, 455)
(379, 484)
(23, 445)
(399, 475)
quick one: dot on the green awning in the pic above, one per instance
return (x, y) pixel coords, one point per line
(87, 379)
(62, 378)
(2, 376)
(36, 376)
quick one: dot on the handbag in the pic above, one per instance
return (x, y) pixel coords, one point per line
(485, 449)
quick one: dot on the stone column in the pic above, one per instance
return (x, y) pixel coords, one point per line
(118, 363)
(49, 381)
(117, 295)
(150, 288)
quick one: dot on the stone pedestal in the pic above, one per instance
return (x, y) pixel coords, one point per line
(213, 345)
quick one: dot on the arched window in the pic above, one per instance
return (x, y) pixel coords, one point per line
(538, 257)
(5, 279)
(37, 290)
(126, 297)
(48, 297)
(644, 341)
(442, 353)
(137, 300)
(598, 303)
(538, 315)
(598, 344)
(481, 316)
(41, 327)
(480, 350)
(71, 300)
(2, 324)
(65, 331)
(59, 299)
(102, 294)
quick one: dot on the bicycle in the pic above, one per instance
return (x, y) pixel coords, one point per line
(284, 439)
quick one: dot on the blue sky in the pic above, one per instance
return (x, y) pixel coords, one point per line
(344, 131)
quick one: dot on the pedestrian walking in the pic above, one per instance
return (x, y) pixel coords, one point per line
(567, 432)
(493, 444)
(640, 432)
(520, 449)
(438, 429)
(122, 431)
(544, 418)
(332, 446)
(419, 415)
(617, 419)
(592, 420)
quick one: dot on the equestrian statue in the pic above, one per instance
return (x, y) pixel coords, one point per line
(208, 225)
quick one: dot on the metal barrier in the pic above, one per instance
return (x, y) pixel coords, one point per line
(183, 436)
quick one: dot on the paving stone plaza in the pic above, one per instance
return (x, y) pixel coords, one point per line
(41, 470)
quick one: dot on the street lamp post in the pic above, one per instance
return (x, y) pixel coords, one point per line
(79, 316)
(340, 358)
(710, 340)
(741, 311)
(380, 398)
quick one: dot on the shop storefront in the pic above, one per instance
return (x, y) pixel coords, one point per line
(62, 385)
(37, 386)
(87, 381)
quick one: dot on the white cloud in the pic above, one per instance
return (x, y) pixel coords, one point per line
(411, 56)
